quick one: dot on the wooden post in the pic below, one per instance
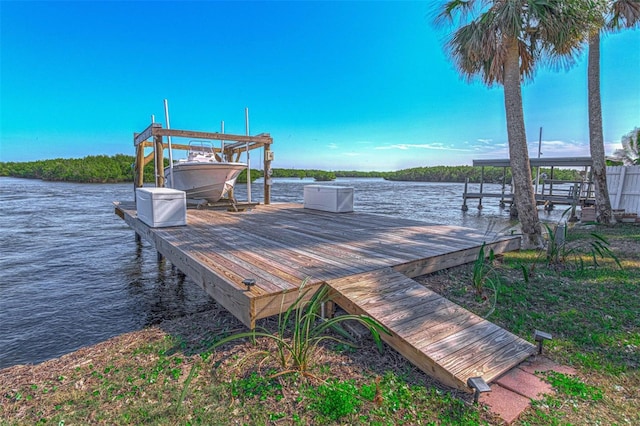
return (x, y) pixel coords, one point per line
(139, 168)
(268, 156)
(481, 187)
(504, 178)
(158, 151)
(590, 185)
(464, 196)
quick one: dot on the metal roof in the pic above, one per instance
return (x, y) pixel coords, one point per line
(542, 162)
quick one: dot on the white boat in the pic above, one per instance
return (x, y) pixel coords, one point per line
(201, 175)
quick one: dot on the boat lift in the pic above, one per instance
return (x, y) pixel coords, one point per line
(549, 191)
(233, 146)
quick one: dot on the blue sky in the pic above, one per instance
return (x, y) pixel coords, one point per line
(339, 85)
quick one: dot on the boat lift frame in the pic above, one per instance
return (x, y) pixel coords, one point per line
(580, 192)
(153, 137)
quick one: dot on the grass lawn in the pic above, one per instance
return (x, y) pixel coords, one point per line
(165, 375)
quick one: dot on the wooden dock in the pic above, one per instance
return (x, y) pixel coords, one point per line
(368, 261)
(551, 191)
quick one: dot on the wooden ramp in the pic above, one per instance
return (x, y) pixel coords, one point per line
(441, 338)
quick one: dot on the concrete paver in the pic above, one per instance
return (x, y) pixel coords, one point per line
(507, 404)
(512, 393)
(525, 384)
(542, 364)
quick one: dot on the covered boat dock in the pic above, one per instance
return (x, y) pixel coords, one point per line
(232, 146)
(548, 191)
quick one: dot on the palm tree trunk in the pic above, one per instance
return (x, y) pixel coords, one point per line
(596, 138)
(518, 152)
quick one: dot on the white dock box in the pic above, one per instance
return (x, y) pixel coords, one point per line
(328, 198)
(161, 207)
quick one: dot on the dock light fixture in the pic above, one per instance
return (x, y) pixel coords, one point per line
(249, 282)
(540, 337)
(479, 386)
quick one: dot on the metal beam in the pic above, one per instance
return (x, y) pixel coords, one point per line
(541, 162)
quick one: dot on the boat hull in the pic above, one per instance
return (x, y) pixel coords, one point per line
(200, 180)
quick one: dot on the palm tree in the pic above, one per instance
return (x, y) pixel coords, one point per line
(609, 16)
(629, 155)
(501, 42)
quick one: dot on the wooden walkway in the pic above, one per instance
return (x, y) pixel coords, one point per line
(367, 259)
(438, 336)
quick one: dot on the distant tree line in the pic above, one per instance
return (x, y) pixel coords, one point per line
(91, 169)
(474, 174)
(119, 168)
(312, 173)
(255, 174)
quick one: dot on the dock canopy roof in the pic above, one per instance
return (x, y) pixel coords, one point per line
(538, 162)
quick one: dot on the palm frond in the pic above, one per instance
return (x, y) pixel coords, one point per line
(624, 14)
(547, 32)
(454, 11)
(630, 152)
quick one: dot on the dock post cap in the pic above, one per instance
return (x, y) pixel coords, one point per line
(479, 386)
(540, 337)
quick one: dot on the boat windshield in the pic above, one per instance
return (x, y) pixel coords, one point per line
(202, 151)
(201, 147)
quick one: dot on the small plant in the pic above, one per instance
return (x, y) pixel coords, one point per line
(295, 353)
(254, 384)
(335, 400)
(560, 250)
(482, 267)
(562, 247)
(483, 275)
(572, 386)
(556, 243)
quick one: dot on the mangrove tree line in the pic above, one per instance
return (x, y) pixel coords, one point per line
(119, 168)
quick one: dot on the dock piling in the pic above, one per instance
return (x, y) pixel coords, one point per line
(464, 196)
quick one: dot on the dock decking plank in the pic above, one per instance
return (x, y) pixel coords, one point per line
(460, 339)
(309, 262)
(494, 364)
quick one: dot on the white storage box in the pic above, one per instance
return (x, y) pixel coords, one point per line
(335, 199)
(161, 207)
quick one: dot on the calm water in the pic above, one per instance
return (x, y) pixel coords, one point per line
(72, 275)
